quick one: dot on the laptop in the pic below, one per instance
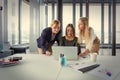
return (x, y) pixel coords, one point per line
(71, 52)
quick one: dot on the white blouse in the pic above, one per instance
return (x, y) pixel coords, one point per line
(92, 38)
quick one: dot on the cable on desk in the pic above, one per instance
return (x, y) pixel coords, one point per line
(58, 73)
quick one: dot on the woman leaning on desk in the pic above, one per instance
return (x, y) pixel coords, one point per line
(86, 33)
(48, 36)
(69, 39)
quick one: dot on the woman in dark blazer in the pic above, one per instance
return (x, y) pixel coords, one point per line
(47, 38)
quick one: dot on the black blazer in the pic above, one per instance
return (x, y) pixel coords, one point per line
(45, 38)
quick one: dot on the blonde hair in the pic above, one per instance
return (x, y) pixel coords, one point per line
(84, 33)
(57, 22)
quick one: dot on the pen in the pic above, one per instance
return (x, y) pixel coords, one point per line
(108, 73)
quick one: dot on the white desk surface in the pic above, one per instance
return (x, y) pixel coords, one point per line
(41, 67)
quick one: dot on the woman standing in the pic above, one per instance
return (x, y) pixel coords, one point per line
(86, 33)
(48, 36)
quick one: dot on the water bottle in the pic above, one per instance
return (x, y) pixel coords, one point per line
(55, 43)
(62, 60)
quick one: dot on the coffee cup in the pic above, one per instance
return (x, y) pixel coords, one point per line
(93, 57)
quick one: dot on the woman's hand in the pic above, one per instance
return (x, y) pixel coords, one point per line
(81, 54)
(86, 52)
(48, 53)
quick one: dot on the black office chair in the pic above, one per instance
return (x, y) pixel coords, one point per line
(21, 48)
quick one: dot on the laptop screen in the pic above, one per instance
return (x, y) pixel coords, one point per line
(71, 52)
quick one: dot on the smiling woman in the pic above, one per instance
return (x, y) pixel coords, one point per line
(48, 36)
(86, 33)
(69, 39)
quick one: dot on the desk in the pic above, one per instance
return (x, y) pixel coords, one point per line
(41, 67)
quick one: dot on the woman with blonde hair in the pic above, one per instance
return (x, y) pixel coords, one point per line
(86, 33)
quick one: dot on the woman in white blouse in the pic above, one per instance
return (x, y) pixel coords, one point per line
(86, 33)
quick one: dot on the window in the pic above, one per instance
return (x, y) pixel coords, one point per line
(13, 21)
(95, 18)
(49, 14)
(106, 36)
(25, 23)
(67, 15)
(117, 24)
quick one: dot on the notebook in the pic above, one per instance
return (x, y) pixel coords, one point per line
(69, 51)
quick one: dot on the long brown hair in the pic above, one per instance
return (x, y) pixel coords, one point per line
(84, 33)
(73, 29)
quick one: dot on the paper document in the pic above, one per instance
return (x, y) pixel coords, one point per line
(105, 72)
(80, 65)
